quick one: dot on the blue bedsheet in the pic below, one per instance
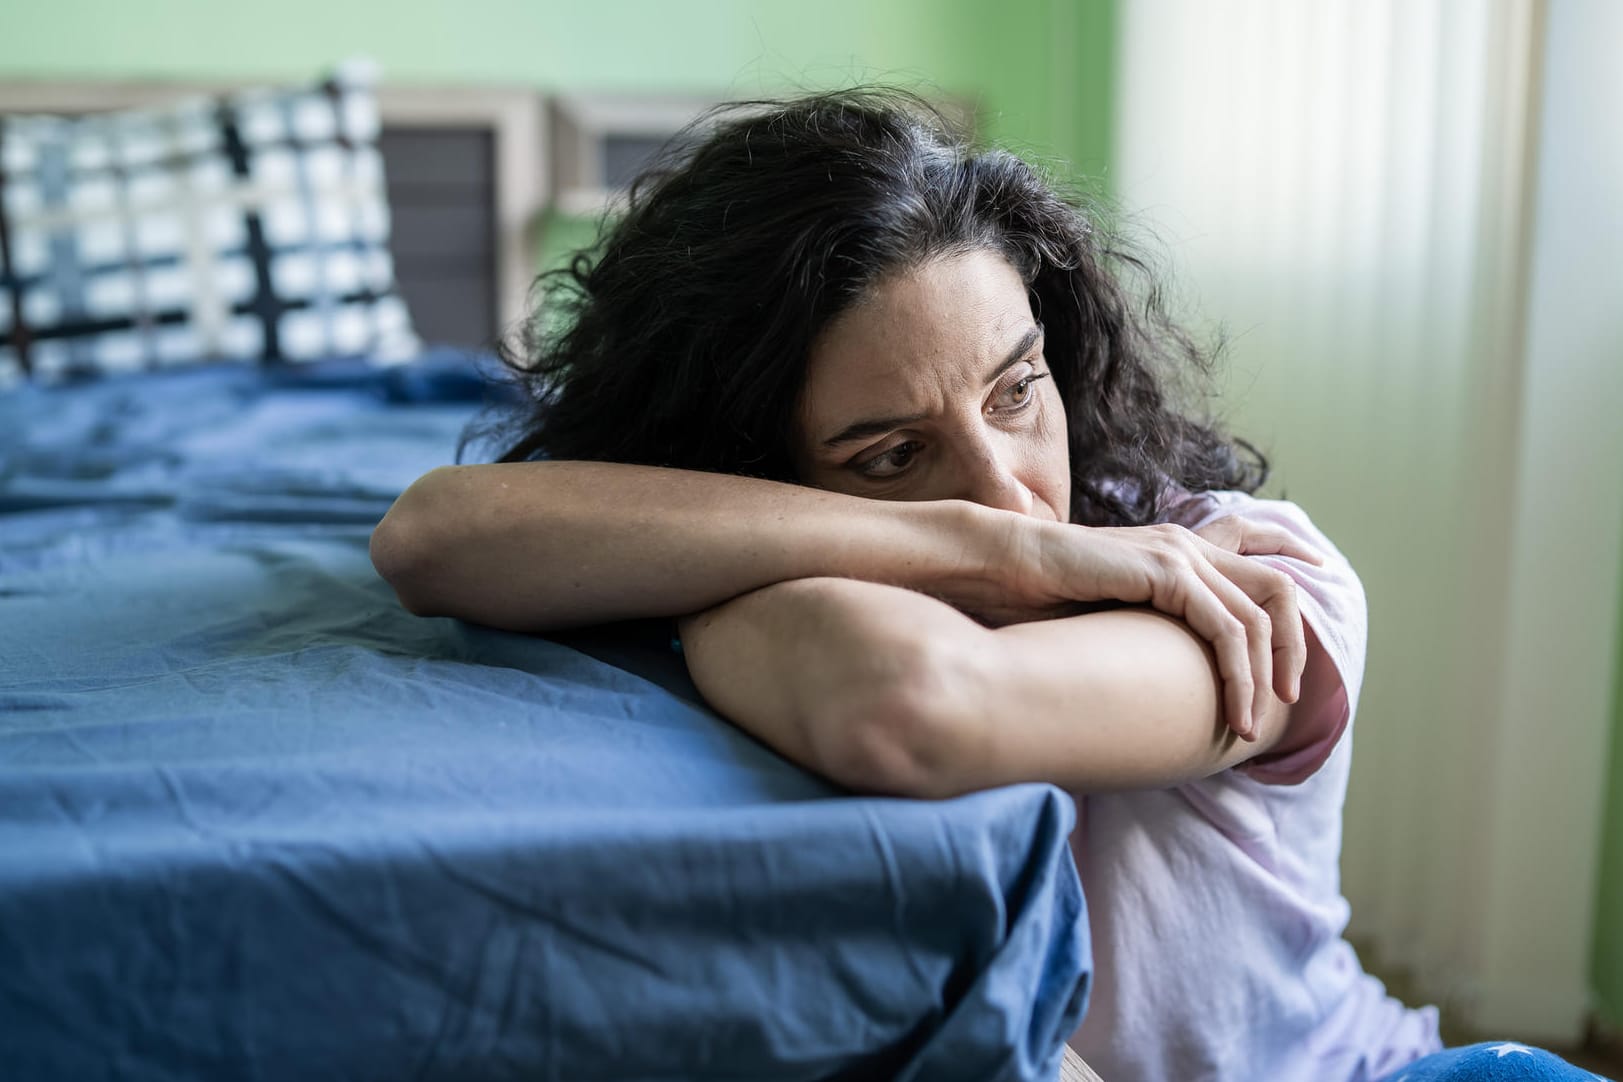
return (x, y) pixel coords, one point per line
(257, 822)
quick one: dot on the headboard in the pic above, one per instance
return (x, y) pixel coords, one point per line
(467, 173)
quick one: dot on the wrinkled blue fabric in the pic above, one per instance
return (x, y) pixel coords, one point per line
(258, 822)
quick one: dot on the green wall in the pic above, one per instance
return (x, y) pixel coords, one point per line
(1607, 971)
(1039, 70)
(1010, 52)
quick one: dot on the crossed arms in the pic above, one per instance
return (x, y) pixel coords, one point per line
(836, 629)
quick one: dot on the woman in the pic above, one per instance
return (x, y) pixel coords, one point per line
(870, 415)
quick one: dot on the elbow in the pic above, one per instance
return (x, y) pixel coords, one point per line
(399, 558)
(402, 548)
(902, 731)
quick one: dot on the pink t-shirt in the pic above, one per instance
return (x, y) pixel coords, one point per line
(1216, 906)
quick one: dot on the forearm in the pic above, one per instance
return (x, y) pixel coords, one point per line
(1130, 699)
(839, 676)
(534, 546)
(886, 690)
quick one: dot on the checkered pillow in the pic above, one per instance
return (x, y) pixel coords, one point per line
(251, 228)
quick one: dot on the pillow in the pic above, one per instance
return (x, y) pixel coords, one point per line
(251, 227)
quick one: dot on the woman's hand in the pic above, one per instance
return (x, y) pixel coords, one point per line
(1246, 610)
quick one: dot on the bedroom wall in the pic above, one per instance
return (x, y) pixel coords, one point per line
(1607, 969)
(1040, 70)
(1403, 215)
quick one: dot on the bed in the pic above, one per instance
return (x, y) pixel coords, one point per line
(257, 821)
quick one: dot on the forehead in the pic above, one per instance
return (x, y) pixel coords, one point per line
(931, 328)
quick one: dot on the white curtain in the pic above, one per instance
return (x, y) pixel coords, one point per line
(1346, 187)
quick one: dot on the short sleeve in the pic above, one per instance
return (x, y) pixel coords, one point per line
(1333, 607)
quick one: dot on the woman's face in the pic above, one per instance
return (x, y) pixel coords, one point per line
(934, 388)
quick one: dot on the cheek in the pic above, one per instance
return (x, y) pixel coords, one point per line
(1055, 450)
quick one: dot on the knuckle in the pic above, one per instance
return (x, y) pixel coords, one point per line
(1174, 535)
(1181, 583)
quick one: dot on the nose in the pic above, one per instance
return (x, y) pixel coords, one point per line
(990, 479)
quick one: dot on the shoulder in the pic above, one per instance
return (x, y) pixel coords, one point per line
(1336, 615)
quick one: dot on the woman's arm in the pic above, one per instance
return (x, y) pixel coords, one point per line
(544, 545)
(886, 690)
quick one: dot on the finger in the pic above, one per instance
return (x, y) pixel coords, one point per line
(1290, 641)
(1237, 535)
(1258, 636)
(1195, 603)
(1275, 592)
(1225, 533)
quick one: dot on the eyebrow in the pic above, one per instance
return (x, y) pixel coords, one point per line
(880, 425)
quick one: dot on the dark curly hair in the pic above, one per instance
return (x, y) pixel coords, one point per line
(682, 338)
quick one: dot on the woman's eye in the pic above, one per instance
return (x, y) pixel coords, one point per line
(1019, 394)
(891, 462)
